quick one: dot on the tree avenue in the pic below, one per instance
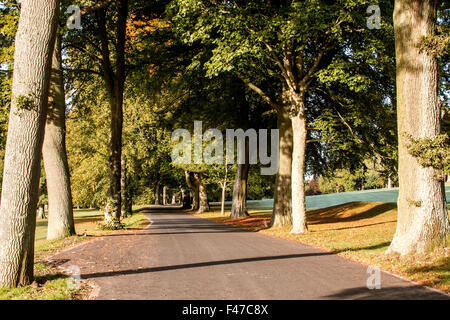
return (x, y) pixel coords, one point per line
(356, 103)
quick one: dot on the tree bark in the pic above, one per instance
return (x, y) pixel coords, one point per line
(222, 203)
(282, 204)
(60, 209)
(202, 195)
(157, 194)
(164, 195)
(224, 191)
(298, 172)
(113, 208)
(422, 216)
(239, 200)
(239, 204)
(174, 198)
(34, 45)
(195, 187)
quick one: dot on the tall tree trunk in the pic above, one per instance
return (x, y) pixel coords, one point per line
(239, 204)
(282, 204)
(157, 194)
(115, 81)
(239, 200)
(113, 208)
(224, 191)
(422, 216)
(60, 209)
(222, 203)
(127, 200)
(203, 205)
(195, 187)
(164, 195)
(298, 172)
(34, 45)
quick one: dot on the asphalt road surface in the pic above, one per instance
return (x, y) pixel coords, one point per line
(180, 256)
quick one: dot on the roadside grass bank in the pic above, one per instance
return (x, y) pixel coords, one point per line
(359, 231)
(50, 283)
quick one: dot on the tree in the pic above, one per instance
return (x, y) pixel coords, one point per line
(194, 185)
(203, 205)
(114, 81)
(99, 50)
(34, 44)
(239, 201)
(60, 208)
(423, 221)
(224, 185)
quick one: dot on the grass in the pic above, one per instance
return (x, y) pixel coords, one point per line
(359, 231)
(332, 199)
(50, 283)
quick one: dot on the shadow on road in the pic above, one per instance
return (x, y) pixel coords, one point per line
(391, 293)
(200, 264)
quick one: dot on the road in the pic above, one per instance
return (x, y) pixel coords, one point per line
(180, 256)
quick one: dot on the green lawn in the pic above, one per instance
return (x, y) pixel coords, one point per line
(332, 199)
(80, 216)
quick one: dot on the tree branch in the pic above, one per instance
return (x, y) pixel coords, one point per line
(83, 71)
(108, 71)
(258, 90)
(99, 5)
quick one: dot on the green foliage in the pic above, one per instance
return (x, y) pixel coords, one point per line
(9, 13)
(87, 147)
(436, 45)
(342, 181)
(259, 187)
(371, 175)
(433, 153)
(375, 181)
(23, 102)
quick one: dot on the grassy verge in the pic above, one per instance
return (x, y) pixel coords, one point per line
(359, 231)
(50, 283)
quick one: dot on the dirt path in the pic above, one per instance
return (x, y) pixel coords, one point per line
(180, 256)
